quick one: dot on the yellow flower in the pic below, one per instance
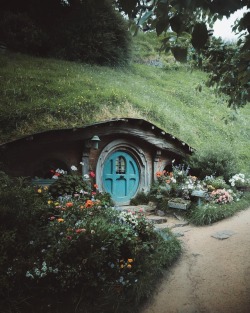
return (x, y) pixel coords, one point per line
(60, 220)
(45, 188)
(39, 190)
(50, 201)
(121, 266)
(129, 266)
(130, 260)
(56, 203)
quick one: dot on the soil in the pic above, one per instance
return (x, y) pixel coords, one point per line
(212, 275)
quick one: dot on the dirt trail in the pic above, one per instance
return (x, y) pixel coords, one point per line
(212, 275)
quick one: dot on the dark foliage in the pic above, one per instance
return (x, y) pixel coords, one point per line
(89, 31)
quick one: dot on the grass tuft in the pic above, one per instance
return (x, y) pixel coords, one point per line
(210, 213)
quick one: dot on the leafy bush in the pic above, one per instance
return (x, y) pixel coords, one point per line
(79, 246)
(21, 34)
(88, 31)
(23, 214)
(239, 180)
(93, 33)
(216, 162)
(68, 185)
(215, 182)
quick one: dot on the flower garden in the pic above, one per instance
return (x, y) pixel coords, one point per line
(217, 199)
(65, 248)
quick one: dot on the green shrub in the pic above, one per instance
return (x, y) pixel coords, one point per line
(214, 161)
(21, 34)
(77, 251)
(23, 214)
(92, 32)
(69, 185)
(215, 182)
(88, 31)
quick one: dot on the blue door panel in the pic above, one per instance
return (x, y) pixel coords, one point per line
(121, 176)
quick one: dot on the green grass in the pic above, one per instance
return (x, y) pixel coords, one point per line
(40, 94)
(211, 213)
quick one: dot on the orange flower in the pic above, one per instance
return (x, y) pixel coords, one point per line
(95, 186)
(89, 204)
(69, 204)
(158, 174)
(130, 260)
(168, 181)
(129, 266)
(60, 220)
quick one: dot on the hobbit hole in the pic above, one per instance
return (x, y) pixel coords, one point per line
(130, 153)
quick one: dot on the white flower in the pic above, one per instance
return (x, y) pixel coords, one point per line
(55, 177)
(82, 163)
(86, 176)
(73, 168)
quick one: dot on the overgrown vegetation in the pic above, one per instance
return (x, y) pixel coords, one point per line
(87, 31)
(205, 199)
(76, 252)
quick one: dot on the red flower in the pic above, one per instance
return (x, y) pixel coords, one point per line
(92, 174)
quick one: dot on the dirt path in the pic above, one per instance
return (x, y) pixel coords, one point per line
(212, 276)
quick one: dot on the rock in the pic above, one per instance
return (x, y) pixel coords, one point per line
(223, 234)
(156, 219)
(160, 213)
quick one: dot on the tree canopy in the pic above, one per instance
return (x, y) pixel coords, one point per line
(189, 21)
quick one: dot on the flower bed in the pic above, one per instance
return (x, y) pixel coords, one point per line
(76, 251)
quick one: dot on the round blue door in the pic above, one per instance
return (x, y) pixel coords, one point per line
(121, 176)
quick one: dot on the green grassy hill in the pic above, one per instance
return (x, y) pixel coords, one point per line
(39, 94)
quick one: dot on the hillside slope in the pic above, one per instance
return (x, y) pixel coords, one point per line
(40, 94)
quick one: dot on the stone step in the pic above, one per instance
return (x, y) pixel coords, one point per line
(155, 219)
(143, 208)
(167, 222)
